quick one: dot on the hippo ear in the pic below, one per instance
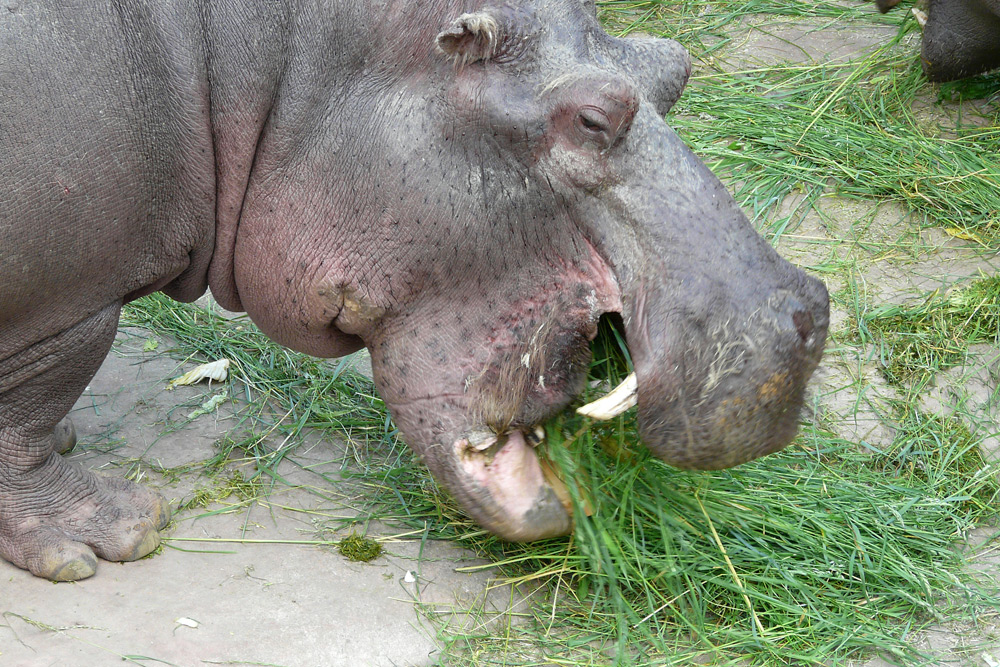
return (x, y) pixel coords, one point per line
(470, 38)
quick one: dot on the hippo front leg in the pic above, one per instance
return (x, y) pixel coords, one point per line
(55, 517)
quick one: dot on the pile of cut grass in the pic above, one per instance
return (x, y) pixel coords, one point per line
(812, 556)
(913, 343)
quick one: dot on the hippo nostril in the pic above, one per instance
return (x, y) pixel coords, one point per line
(785, 304)
(804, 324)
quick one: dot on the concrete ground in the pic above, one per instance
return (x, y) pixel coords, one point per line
(233, 603)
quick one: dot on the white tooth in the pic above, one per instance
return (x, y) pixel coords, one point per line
(920, 16)
(620, 399)
(481, 440)
(536, 437)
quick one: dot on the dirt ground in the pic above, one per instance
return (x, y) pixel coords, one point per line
(254, 603)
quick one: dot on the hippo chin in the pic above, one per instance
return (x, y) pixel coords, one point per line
(961, 38)
(464, 187)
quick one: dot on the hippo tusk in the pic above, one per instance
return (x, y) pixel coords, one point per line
(620, 399)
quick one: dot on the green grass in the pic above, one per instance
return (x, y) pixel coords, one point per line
(915, 342)
(852, 128)
(820, 553)
(286, 391)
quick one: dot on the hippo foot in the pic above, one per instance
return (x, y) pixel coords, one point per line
(56, 519)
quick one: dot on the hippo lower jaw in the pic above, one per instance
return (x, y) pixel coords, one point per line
(512, 495)
(701, 411)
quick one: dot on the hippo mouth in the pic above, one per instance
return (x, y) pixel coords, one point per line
(494, 474)
(480, 436)
(499, 477)
(505, 468)
(714, 387)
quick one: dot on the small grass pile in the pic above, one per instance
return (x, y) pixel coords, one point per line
(224, 484)
(359, 549)
(915, 342)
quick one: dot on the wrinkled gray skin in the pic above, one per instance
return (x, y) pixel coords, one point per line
(961, 37)
(465, 195)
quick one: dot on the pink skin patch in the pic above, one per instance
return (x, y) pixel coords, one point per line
(511, 474)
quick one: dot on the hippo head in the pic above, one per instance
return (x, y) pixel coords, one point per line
(474, 199)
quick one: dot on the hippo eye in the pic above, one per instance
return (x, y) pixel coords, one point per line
(594, 125)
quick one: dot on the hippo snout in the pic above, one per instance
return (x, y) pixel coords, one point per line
(732, 391)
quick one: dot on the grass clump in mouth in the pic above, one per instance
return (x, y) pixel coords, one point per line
(812, 556)
(915, 342)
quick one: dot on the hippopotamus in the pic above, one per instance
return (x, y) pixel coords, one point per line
(961, 38)
(464, 187)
